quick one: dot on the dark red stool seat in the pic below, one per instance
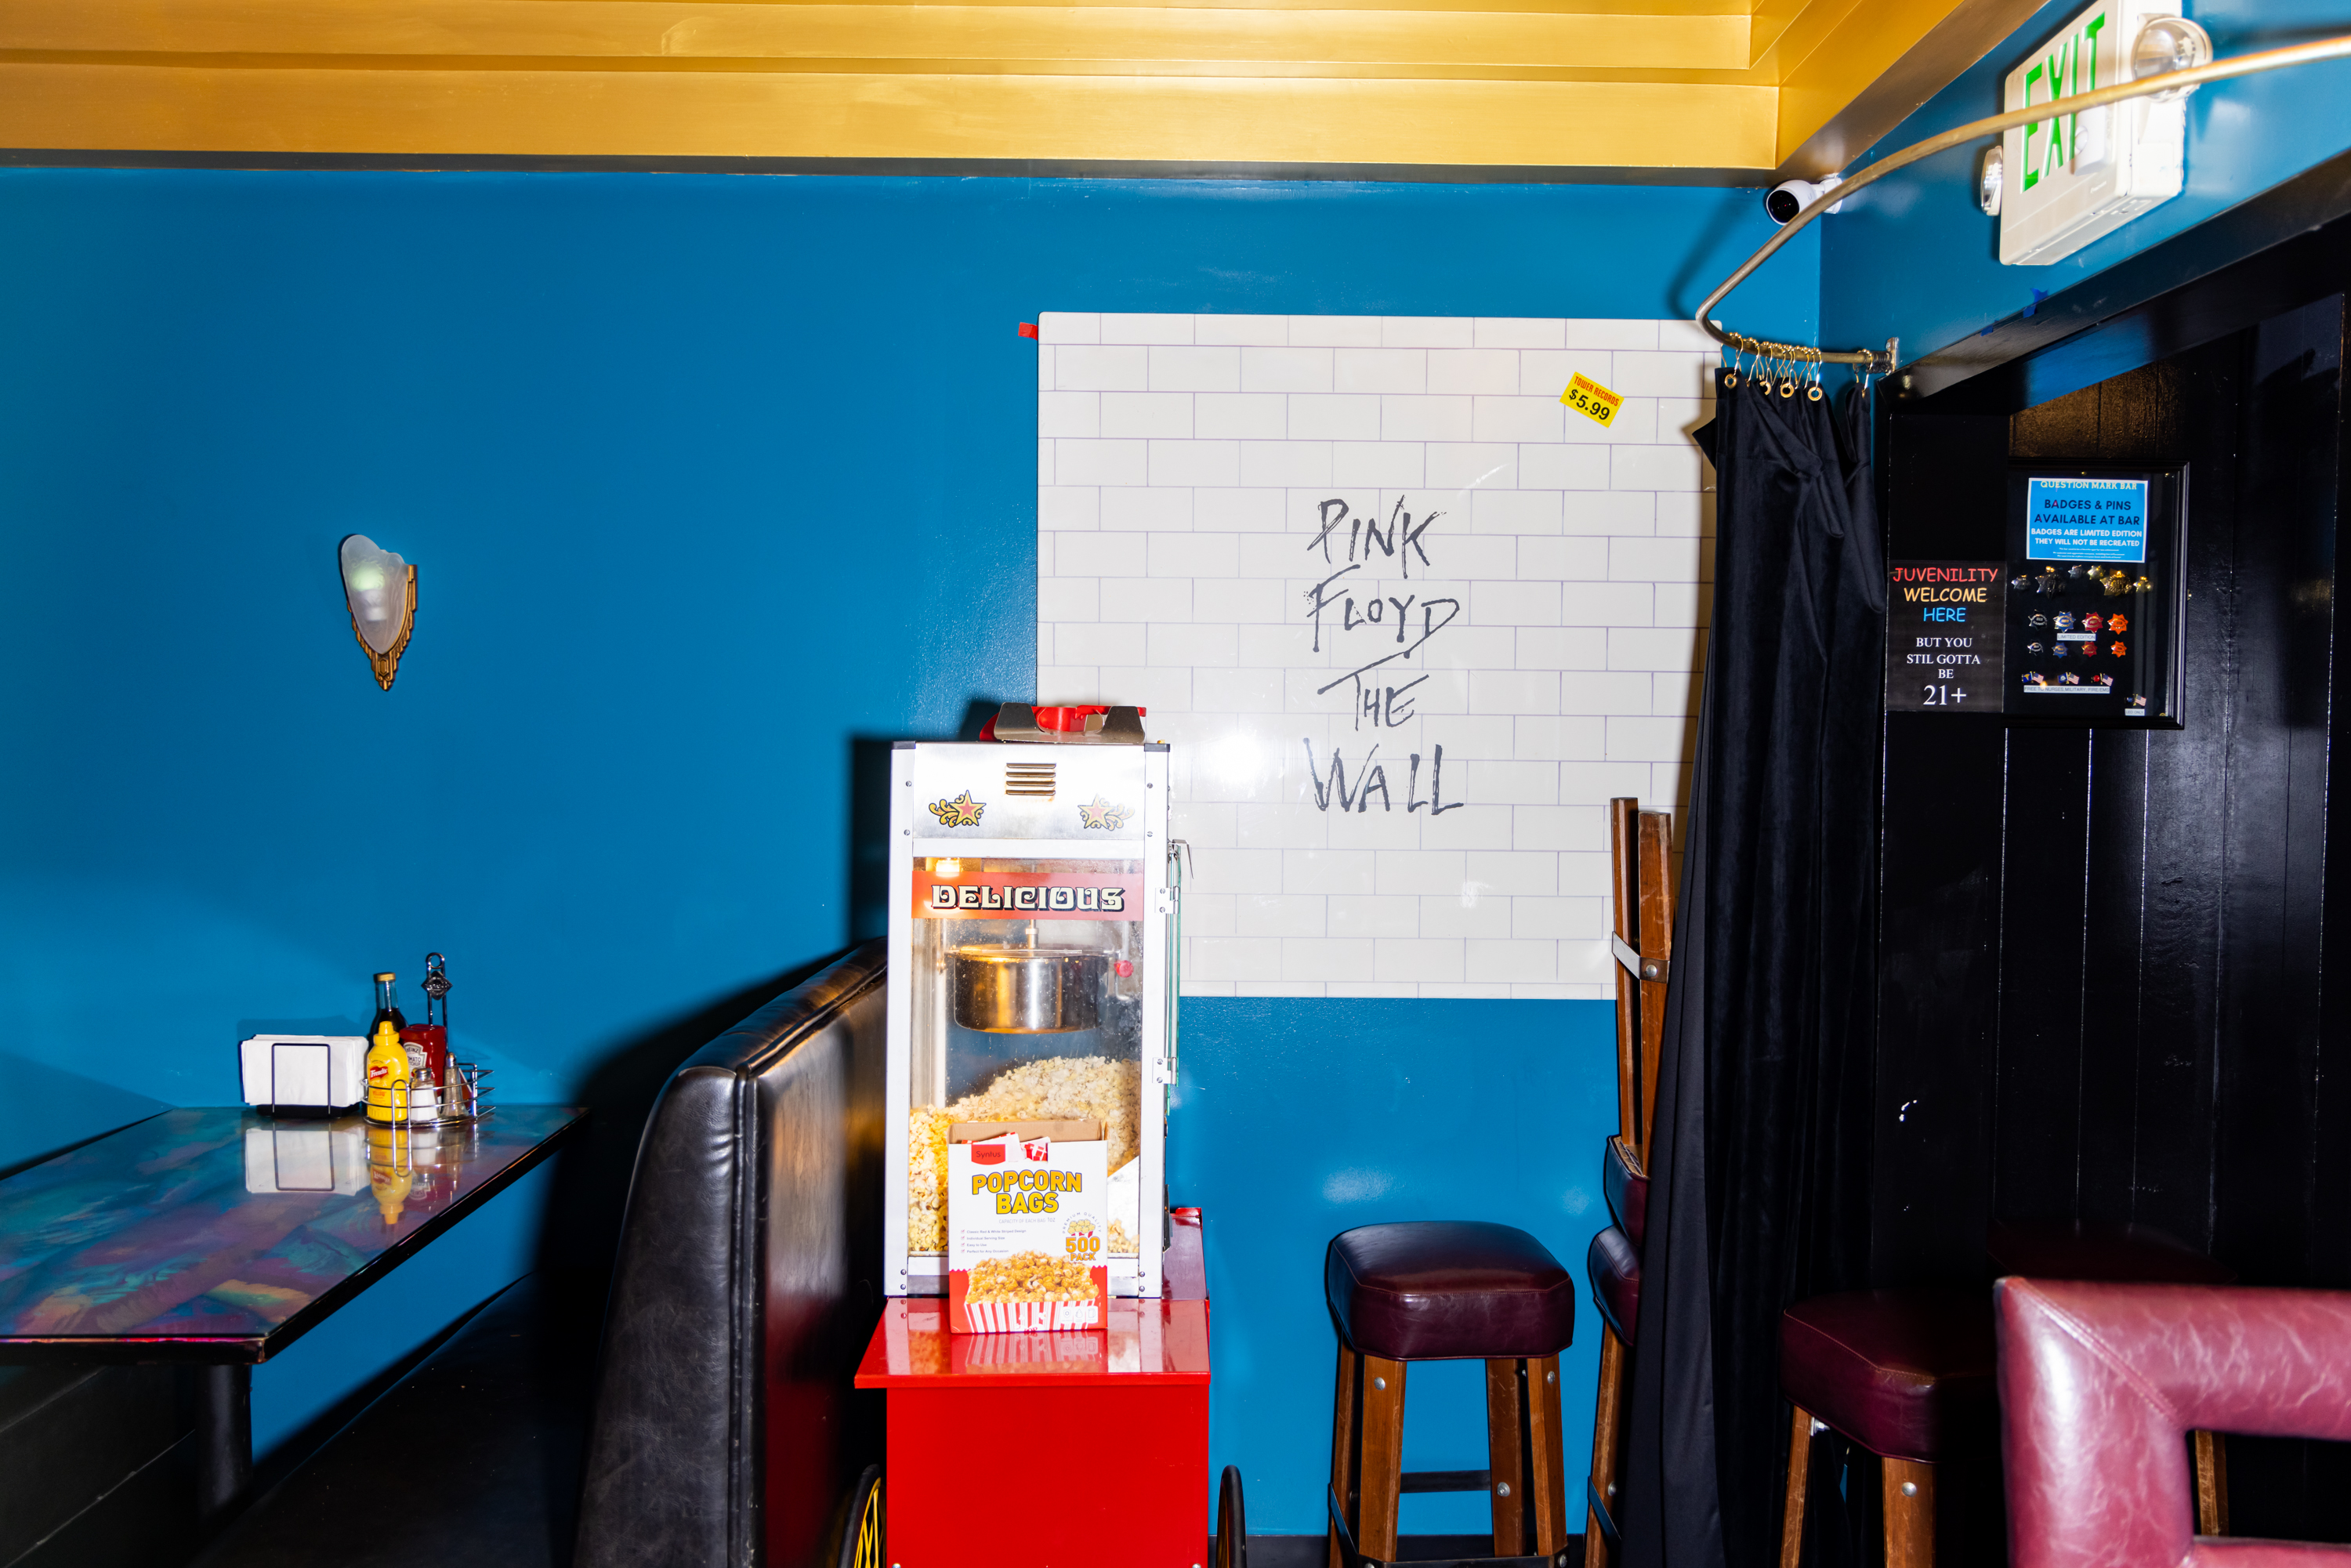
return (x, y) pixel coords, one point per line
(1907, 1374)
(1615, 1270)
(1627, 1191)
(2089, 1250)
(1449, 1290)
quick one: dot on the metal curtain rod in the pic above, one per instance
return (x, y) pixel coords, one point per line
(1880, 362)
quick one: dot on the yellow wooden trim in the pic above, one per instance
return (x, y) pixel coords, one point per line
(1544, 84)
(587, 113)
(1848, 86)
(1835, 49)
(508, 32)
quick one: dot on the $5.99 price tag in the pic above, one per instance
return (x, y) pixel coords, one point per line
(1592, 400)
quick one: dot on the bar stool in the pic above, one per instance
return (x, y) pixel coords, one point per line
(1907, 1374)
(1448, 1291)
(2123, 1254)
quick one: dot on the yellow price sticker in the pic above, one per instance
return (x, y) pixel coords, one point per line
(1592, 400)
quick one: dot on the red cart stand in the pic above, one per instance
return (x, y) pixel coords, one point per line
(1082, 1449)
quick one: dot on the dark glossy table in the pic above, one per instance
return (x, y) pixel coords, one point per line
(218, 1237)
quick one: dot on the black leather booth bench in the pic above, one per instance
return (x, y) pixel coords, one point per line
(716, 1424)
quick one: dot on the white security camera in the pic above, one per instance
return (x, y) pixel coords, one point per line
(1783, 201)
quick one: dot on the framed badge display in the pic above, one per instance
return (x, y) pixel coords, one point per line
(2079, 623)
(2095, 594)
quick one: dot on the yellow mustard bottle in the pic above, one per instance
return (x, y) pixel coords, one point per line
(387, 1059)
(387, 1076)
(392, 1174)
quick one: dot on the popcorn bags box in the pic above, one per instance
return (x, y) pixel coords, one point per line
(1027, 1223)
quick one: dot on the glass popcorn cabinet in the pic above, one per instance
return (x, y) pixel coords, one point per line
(1031, 979)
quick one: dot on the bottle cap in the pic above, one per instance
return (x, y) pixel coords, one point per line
(382, 977)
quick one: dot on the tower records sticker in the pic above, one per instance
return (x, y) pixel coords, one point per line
(1592, 400)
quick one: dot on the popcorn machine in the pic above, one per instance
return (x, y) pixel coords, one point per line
(1030, 976)
(1031, 1051)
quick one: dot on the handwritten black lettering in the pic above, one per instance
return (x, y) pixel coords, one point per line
(1336, 784)
(1384, 707)
(1376, 705)
(1319, 601)
(1429, 627)
(1436, 801)
(1330, 522)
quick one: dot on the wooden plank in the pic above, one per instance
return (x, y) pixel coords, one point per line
(1342, 1454)
(1909, 1500)
(1623, 865)
(1607, 1443)
(1546, 1455)
(1792, 1501)
(1506, 1460)
(1382, 1461)
(1657, 942)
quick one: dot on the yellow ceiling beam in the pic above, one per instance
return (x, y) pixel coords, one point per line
(502, 32)
(808, 114)
(1596, 86)
(1850, 70)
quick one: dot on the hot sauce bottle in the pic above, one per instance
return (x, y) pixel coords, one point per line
(430, 1085)
(388, 1070)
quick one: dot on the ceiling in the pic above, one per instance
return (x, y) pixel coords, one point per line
(1695, 91)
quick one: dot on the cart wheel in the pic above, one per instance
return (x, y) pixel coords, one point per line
(861, 1541)
(1232, 1522)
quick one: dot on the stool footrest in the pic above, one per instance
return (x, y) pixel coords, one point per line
(1599, 1515)
(1445, 1481)
(1356, 1559)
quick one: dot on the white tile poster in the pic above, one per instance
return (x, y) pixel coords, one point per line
(1409, 622)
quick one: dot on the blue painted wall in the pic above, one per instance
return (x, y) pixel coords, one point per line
(708, 478)
(1913, 256)
(1297, 1120)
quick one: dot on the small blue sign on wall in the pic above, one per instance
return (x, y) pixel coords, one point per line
(2086, 519)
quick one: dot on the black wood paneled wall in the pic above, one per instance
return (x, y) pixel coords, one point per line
(2106, 952)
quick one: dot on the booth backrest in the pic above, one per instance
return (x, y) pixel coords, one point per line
(2100, 1385)
(749, 1278)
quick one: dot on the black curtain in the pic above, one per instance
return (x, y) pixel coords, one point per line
(1760, 1159)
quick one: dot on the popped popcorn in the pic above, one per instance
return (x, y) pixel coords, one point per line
(1030, 1277)
(1050, 1089)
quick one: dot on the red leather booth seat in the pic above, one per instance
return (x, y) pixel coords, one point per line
(2099, 1383)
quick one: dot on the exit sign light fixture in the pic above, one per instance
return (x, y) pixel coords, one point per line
(2070, 178)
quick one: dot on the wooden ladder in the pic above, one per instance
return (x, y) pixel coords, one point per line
(1641, 855)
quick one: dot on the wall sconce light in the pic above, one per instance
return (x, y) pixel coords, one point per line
(381, 590)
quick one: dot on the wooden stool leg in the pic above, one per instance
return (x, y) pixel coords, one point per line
(1342, 1451)
(1382, 1458)
(1546, 1456)
(1800, 1470)
(1606, 1455)
(1909, 1514)
(2211, 1484)
(1506, 1460)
